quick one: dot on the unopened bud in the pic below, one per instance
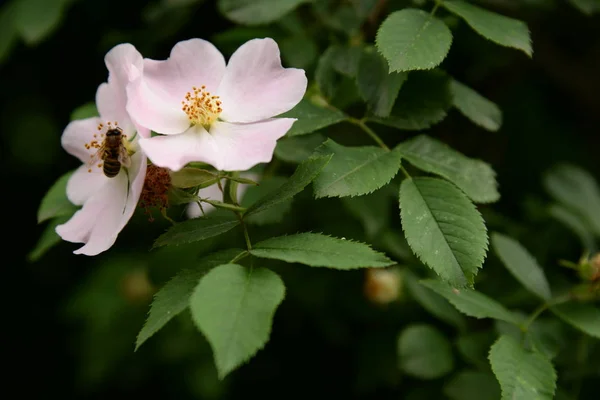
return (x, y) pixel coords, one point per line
(589, 268)
(382, 286)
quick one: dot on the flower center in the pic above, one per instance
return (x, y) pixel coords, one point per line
(201, 107)
(110, 144)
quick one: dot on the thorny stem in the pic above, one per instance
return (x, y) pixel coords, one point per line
(361, 124)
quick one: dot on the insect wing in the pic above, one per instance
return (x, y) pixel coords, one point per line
(124, 158)
(98, 156)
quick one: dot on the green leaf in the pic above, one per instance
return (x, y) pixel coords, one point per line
(376, 85)
(326, 76)
(413, 39)
(174, 296)
(546, 336)
(195, 230)
(179, 196)
(472, 385)
(274, 214)
(588, 7)
(36, 19)
(354, 171)
(299, 51)
(575, 223)
(298, 149)
(522, 265)
(55, 203)
(433, 302)
(495, 27)
(443, 228)
(318, 250)
(256, 12)
(345, 59)
(311, 117)
(424, 101)
(474, 347)
(84, 111)
(188, 177)
(472, 303)
(424, 352)
(305, 174)
(8, 32)
(523, 375)
(474, 177)
(584, 317)
(48, 239)
(345, 17)
(233, 307)
(576, 189)
(476, 107)
(372, 210)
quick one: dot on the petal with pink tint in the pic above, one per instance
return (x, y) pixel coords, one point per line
(155, 98)
(98, 223)
(105, 211)
(137, 176)
(79, 133)
(175, 151)
(124, 63)
(242, 146)
(111, 101)
(83, 184)
(255, 85)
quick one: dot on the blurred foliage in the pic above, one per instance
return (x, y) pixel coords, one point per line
(73, 321)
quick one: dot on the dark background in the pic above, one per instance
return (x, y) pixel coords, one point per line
(53, 343)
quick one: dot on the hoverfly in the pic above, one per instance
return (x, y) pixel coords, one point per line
(112, 152)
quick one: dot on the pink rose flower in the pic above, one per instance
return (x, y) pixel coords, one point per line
(208, 112)
(108, 202)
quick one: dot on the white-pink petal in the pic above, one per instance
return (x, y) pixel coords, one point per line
(255, 85)
(106, 210)
(175, 151)
(155, 98)
(79, 133)
(242, 146)
(124, 63)
(111, 101)
(83, 183)
(98, 223)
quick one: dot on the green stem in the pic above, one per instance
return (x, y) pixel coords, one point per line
(362, 125)
(239, 257)
(246, 236)
(534, 316)
(438, 3)
(404, 171)
(227, 206)
(543, 307)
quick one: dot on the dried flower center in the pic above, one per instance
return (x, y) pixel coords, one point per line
(156, 189)
(201, 107)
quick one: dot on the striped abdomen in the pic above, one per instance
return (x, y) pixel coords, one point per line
(111, 166)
